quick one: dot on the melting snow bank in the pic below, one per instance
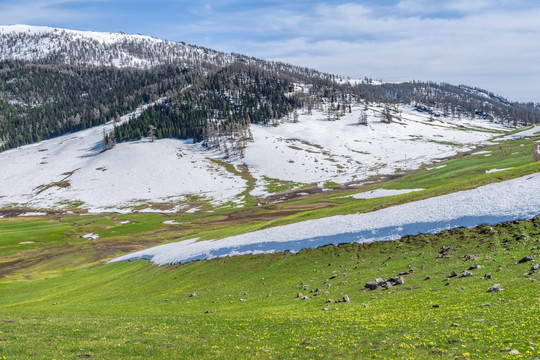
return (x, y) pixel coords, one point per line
(378, 193)
(516, 199)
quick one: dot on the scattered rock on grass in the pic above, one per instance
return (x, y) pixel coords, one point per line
(526, 259)
(495, 288)
(453, 274)
(475, 266)
(346, 298)
(466, 273)
(305, 298)
(376, 284)
(487, 276)
(193, 294)
(211, 311)
(400, 280)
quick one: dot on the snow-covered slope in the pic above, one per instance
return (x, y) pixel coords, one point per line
(318, 150)
(74, 169)
(490, 204)
(41, 43)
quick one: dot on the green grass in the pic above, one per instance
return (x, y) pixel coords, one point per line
(58, 300)
(276, 185)
(511, 154)
(136, 310)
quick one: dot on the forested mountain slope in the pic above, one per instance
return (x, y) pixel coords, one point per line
(55, 81)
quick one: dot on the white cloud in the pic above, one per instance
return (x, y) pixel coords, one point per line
(487, 46)
(486, 43)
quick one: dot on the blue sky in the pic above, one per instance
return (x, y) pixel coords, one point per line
(493, 44)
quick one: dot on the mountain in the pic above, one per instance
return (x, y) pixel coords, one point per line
(54, 81)
(233, 130)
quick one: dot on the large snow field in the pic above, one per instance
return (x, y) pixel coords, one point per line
(74, 169)
(521, 134)
(115, 180)
(318, 150)
(491, 204)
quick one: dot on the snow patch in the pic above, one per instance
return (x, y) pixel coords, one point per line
(515, 199)
(171, 222)
(496, 170)
(91, 236)
(437, 167)
(33, 213)
(378, 193)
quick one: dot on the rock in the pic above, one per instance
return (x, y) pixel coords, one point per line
(525, 259)
(428, 278)
(495, 288)
(487, 276)
(326, 309)
(400, 280)
(366, 306)
(404, 273)
(456, 325)
(436, 306)
(535, 267)
(475, 266)
(242, 300)
(470, 257)
(299, 295)
(514, 352)
(346, 298)
(447, 284)
(330, 301)
(334, 276)
(376, 284)
(305, 298)
(193, 294)
(211, 311)
(466, 273)
(453, 274)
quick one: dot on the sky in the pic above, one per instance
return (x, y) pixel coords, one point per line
(491, 44)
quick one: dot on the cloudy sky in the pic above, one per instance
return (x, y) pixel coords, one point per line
(492, 44)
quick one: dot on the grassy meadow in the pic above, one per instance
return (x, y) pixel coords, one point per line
(60, 300)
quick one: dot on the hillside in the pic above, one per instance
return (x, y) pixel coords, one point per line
(254, 307)
(160, 200)
(57, 81)
(77, 172)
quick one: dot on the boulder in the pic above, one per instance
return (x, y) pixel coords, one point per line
(526, 259)
(495, 288)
